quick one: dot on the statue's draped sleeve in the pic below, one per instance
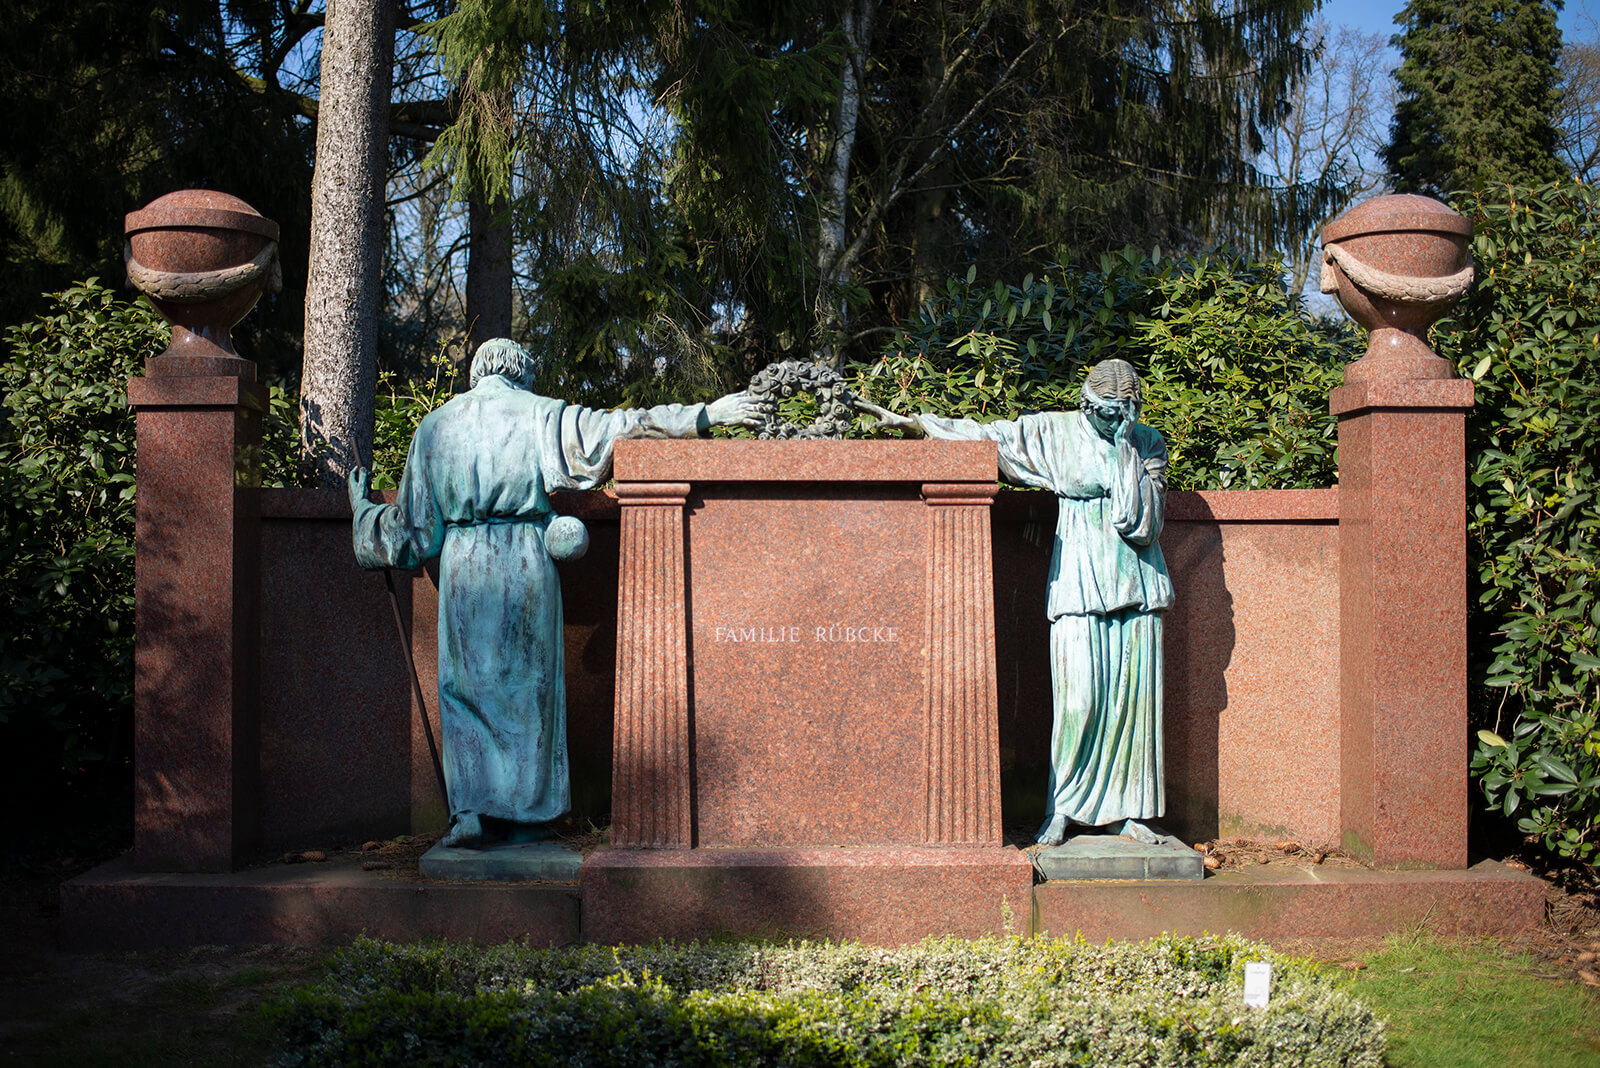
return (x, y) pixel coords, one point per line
(1024, 456)
(1139, 487)
(492, 454)
(578, 443)
(409, 532)
(1112, 502)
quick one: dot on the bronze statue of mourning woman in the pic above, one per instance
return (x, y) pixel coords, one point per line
(1108, 588)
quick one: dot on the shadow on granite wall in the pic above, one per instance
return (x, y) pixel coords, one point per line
(1199, 644)
(1251, 719)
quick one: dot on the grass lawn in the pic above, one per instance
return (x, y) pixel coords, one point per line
(1453, 1002)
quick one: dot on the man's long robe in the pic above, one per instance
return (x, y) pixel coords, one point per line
(475, 495)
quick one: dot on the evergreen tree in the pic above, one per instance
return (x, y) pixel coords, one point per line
(1000, 133)
(828, 164)
(1478, 92)
(554, 120)
(112, 104)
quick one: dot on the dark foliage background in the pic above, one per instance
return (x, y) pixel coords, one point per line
(1529, 332)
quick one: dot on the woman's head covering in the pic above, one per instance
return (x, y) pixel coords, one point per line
(1112, 380)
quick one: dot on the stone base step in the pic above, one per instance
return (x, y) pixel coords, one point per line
(1290, 902)
(1109, 856)
(887, 896)
(883, 895)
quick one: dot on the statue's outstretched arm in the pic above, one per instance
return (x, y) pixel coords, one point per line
(910, 425)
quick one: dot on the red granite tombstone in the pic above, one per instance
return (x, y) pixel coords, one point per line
(805, 737)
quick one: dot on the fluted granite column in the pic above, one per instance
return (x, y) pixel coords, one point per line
(650, 758)
(961, 795)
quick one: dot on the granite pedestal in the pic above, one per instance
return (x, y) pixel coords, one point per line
(196, 646)
(1403, 620)
(508, 862)
(805, 705)
(1110, 856)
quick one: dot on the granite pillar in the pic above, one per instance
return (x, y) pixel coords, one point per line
(197, 532)
(650, 746)
(1402, 619)
(961, 798)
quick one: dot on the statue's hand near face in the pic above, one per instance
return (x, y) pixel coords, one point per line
(1128, 416)
(736, 409)
(888, 420)
(358, 484)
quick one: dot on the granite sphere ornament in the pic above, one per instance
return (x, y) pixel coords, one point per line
(203, 258)
(1397, 264)
(566, 539)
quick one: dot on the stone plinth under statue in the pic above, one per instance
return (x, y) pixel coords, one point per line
(805, 715)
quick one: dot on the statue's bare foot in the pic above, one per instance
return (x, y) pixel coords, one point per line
(466, 834)
(1054, 831)
(1139, 832)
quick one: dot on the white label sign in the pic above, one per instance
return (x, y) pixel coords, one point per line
(1257, 983)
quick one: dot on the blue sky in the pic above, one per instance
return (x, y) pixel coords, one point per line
(1578, 20)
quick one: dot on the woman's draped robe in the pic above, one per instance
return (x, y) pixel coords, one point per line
(474, 494)
(1108, 588)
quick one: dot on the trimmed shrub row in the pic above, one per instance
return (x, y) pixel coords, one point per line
(1037, 1002)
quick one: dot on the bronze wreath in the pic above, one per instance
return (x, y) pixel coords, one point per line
(778, 381)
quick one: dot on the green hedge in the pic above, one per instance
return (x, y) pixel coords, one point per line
(66, 561)
(1171, 1001)
(1236, 373)
(1529, 333)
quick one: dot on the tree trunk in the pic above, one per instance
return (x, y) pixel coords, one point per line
(931, 241)
(488, 271)
(833, 266)
(930, 237)
(344, 287)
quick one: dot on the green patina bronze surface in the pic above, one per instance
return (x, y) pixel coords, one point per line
(1108, 588)
(475, 495)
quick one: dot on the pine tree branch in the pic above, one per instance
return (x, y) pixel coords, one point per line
(898, 185)
(298, 24)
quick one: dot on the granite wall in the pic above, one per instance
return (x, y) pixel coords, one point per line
(1252, 668)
